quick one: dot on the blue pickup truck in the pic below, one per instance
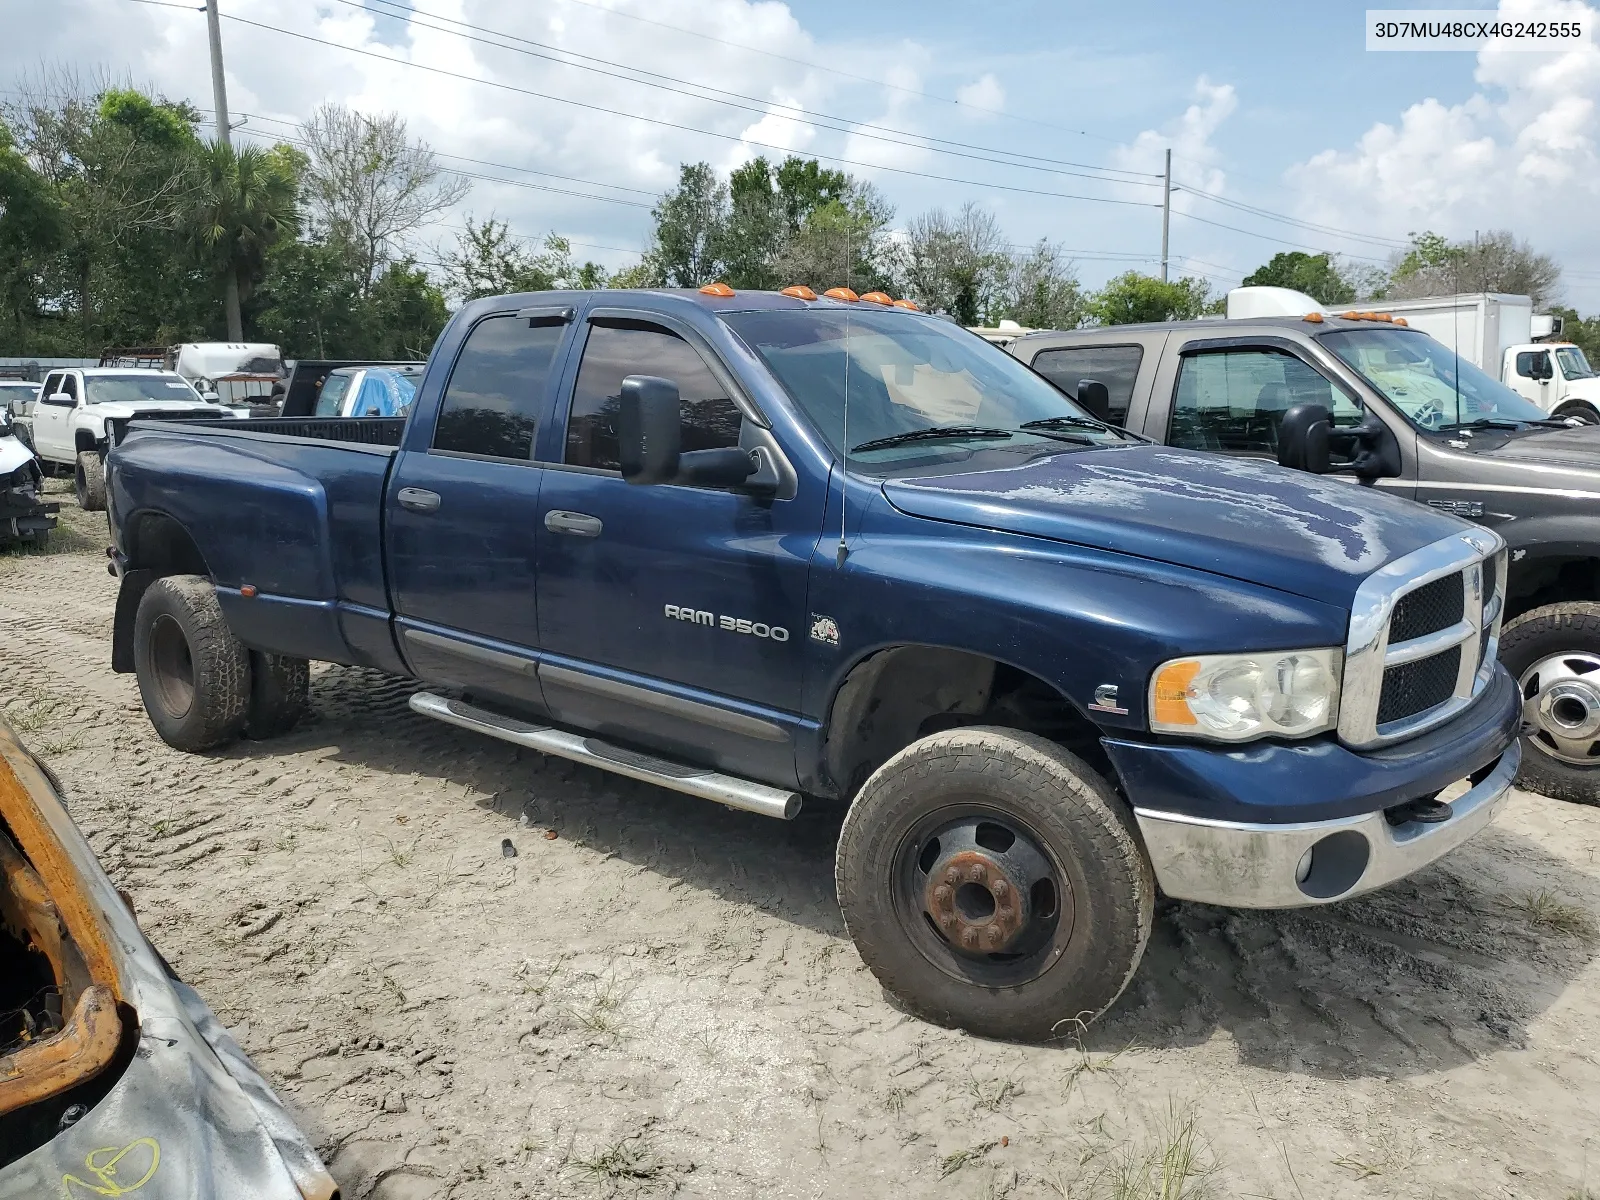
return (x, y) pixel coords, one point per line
(761, 547)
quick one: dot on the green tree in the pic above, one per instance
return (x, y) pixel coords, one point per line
(404, 313)
(1492, 262)
(30, 232)
(1584, 332)
(1317, 275)
(1042, 290)
(308, 303)
(489, 260)
(957, 265)
(245, 202)
(1132, 298)
(691, 224)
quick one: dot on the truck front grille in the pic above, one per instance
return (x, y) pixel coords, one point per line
(1415, 687)
(1424, 632)
(1432, 607)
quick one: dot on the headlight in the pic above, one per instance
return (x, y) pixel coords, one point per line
(1236, 697)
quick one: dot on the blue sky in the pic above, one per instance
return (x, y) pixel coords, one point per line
(1279, 108)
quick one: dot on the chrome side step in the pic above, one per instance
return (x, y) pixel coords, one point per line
(693, 781)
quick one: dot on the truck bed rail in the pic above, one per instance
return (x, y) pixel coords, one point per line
(362, 431)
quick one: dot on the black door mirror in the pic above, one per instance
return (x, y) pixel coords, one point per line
(1541, 367)
(726, 467)
(1303, 438)
(648, 429)
(1093, 395)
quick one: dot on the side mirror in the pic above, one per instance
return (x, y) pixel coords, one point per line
(1093, 395)
(61, 398)
(648, 430)
(1543, 368)
(1303, 438)
(727, 467)
(210, 397)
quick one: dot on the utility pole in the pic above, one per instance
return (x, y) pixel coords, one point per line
(219, 101)
(1166, 198)
(219, 89)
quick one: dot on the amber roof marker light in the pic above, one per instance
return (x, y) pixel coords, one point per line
(876, 298)
(910, 305)
(799, 291)
(716, 289)
(841, 293)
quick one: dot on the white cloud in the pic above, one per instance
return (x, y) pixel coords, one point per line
(1519, 153)
(983, 94)
(1195, 158)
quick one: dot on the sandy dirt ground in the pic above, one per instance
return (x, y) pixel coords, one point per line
(656, 996)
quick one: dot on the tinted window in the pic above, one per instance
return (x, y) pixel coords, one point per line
(613, 352)
(332, 394)
(1115, 366)
(52, 385)
(497, 389)
(1525, 364)
(1235, 401)
(69, 385)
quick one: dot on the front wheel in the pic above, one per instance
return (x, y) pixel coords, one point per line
(89, 480)
(1580, 410)
(992, 881)
(194, 675)
(1554, 654)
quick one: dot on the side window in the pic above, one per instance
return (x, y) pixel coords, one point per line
(331, 395)
(1525, 363)
(1115, 366)
(497, 389)
(1234, 400)
(69, 385)
(52, 385)
(711, 420)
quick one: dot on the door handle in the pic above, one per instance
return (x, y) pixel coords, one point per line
(418, 500)
(582, 524)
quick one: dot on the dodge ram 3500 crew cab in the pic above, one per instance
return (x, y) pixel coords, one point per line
(754, 547)
(1406, 416)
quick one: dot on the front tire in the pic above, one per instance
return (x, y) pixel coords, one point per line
(1581, 409)
(992, 881)
(89, 479)
(1554, 655)
(194, 675)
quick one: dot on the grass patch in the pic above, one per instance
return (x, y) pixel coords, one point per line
(628, 1164)
(600, 1012)
(961, 1159)
(1544, 910)
(991, 1095)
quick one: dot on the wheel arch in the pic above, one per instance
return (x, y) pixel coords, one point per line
(156, 545)
(893, 695)
(1556, 576)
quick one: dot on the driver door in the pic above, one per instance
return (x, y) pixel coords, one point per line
(52, 418)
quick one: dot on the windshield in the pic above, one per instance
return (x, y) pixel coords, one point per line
(1425, 380)
(133, 389)
(1573, 364)
(908, 374)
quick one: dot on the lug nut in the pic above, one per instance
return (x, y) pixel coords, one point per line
(969, 938)
(977, 874)
(952, 877)
(942, 896)
(1001, 889)
(993, 936)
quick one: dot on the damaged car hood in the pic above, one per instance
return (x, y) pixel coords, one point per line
(1310, 535)
(125, 1084)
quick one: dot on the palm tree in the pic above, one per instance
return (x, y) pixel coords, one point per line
(245, 202)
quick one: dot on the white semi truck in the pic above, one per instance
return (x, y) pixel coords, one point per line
(1500, 334)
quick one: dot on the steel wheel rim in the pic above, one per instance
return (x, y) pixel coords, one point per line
(1561, 706)
(1035, 924)
(171, 666)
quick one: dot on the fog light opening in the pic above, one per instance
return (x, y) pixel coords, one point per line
(1334, 865)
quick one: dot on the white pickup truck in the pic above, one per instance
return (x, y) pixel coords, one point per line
(66, 425)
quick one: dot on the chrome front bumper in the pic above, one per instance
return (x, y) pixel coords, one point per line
(1244, 865)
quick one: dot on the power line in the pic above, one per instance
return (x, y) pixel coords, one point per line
(754, 104)
(1264, 236)
(1270, 215)
(305, 37)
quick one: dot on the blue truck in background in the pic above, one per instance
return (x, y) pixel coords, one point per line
(761, 547)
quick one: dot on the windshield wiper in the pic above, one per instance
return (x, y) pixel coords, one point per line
(1498, 423)
(931, 434)
(1083, 423)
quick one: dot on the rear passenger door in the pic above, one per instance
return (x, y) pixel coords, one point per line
(463, 512)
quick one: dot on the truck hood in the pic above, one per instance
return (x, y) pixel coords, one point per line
(1584, 389)
(1575, 446)
(1309, 535)
(121, 408)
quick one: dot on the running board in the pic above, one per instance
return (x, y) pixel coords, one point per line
(693, 781)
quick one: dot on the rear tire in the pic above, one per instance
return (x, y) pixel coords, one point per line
(279, 686)
(1554, 655)
(969, 808)
(194, 675)
(89, 478)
